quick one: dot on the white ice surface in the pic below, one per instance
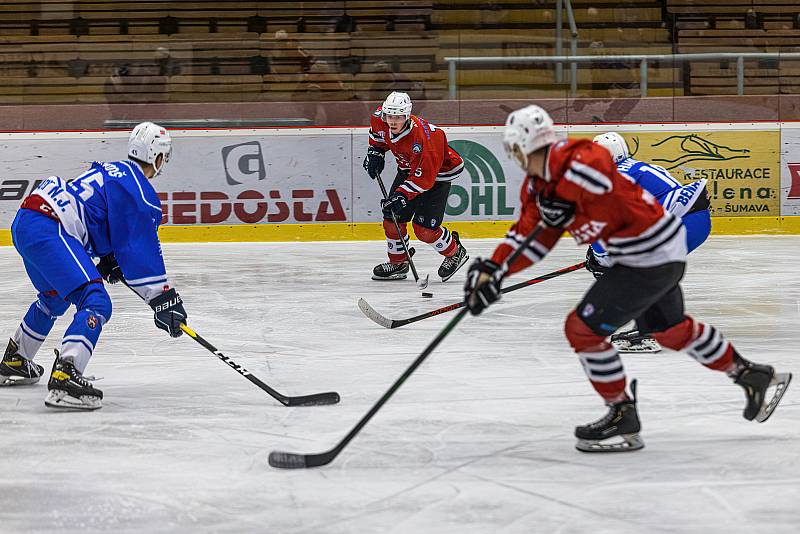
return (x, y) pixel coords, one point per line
(479, 440)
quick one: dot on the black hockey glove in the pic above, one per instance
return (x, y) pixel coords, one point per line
(374, 162)
(482, 287)
(169, 312)
(593, 266)
(109, 269)
(555, 213)
(396, 203)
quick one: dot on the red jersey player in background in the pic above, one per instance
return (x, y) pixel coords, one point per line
(425, 167)
(574, 185)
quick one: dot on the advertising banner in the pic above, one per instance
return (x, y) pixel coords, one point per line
(742, 167)
(790, 175)
(265, 176)
(212, 178)
(315, 175)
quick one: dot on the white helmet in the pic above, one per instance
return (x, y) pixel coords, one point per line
(397, 104)
(147, 141)
(614, 143)
(527, 130)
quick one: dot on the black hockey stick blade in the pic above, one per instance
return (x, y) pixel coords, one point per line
(303, 400)
(290, 460)
(315, 399)
(386, 322)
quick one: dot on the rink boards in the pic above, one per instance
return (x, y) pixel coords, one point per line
(285, 184)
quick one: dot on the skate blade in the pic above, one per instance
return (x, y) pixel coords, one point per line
(645, 346)
(17, 381)
(461, 264)
(630, 442)
(62, 400)
(389, 278)
(781, 382)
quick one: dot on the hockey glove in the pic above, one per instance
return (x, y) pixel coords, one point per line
(555, 213)
(482, 287)
(169, 312)
(374, 162)
(109, 269)
(593, 266)
(395, 204)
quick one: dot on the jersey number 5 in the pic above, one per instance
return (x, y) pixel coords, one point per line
(84, 186)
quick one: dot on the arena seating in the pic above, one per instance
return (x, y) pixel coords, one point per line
(738, 26)
(512, 28)
(123, 51)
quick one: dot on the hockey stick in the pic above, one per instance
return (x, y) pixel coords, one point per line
(421, 284)
(385, 322)
(290, 460)
(316, 399)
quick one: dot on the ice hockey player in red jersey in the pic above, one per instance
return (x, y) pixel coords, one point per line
(573, 185)
(425, 167)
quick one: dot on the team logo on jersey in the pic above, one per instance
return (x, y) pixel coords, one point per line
(416, 148)
(91, 322)
(244, 163)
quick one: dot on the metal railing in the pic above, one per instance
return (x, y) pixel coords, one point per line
(573, 38)
(642, 59)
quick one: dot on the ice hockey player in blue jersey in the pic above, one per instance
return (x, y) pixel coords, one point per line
(689, 202)
(110, 212)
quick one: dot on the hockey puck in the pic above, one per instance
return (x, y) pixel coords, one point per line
(427, 295)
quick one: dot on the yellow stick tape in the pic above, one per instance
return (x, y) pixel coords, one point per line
(374, 231)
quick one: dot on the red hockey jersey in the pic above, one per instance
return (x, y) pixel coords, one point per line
(610, 208)
(421, 149)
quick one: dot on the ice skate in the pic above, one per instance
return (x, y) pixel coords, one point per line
(621, 421)
(70, 389)
(756, 380)
(16, 370)
(453, 263)
(392, 271)
(632, 341)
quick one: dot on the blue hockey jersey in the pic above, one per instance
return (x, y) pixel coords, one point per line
(676, 198)
(657, 181)
(112, 208)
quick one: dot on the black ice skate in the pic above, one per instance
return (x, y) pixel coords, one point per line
(16, 370)
(392, 271)
(621, 421)
(756, 379)
(633, 341)
(70, 389)
(453, 263)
